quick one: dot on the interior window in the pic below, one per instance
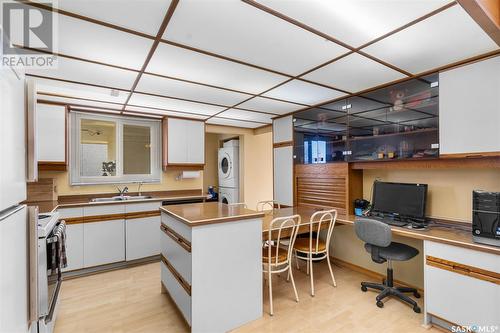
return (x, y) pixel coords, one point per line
(97, 148)
(136, 150)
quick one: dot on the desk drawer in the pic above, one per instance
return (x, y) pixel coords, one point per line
(177, 251)
(181, 298)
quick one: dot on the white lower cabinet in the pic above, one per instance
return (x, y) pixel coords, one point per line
(104, 242)
(454, 293)
(142, 237)
(74, 247)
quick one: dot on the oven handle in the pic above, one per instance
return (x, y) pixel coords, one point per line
(48, 318)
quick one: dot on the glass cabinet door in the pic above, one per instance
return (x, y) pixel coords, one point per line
(396, 122)
(320, 135)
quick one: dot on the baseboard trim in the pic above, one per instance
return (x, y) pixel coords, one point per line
(108, 267)
(370, 273)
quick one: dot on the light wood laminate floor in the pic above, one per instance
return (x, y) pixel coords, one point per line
(129, 300)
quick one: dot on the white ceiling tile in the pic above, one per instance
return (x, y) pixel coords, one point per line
(168, 87)
(303, 92)
(444, 38)
(87, 40)
(246, 115)
(269, 105)
(234, 123)
(81, 103)
(157, 111)
(173, 104)
(142, 16)
(86, 72)
(238, 30)
(177, 62)
(354, 22)
(78, 90)
(354, 73)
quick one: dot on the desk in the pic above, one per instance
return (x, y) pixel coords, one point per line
(437, 234)
(456, 271)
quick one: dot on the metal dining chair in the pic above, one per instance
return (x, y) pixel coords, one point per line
(278, 259)
(313, 248)
(262, 205)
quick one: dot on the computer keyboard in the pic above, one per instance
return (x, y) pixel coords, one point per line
(390, 221)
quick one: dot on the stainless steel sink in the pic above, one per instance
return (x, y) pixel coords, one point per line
(121, 198)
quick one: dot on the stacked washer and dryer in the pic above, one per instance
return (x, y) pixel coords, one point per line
(229, 172)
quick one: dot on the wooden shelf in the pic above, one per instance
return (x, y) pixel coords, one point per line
(429, 163)
(424, 130)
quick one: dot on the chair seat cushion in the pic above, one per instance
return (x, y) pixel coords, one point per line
(282, 255)
(395, 251)
(302, 244)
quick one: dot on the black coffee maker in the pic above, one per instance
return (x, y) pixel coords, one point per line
(486, 217)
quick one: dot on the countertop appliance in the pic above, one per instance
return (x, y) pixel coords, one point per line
(486, 217)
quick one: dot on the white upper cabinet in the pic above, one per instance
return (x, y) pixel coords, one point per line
(51, 133)
(283, 175)
(469, 109)
(185, 141)
(283, 129)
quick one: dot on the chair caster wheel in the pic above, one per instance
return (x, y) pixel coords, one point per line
(380, 304)
(363, 288)
(416, 294)
(416, 309)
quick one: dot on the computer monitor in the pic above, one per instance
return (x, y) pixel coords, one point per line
(399, 199)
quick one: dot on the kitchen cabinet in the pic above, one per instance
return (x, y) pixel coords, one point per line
(104, 239)
(470, 296)
(469, 107)
(283, 175)
(283, 129)
(74, 238)
(51, 137)
(142, 230)
(184, 142)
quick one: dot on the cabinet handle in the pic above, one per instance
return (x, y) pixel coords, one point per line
(177, 238)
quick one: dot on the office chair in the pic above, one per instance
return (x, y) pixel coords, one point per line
(378, 238)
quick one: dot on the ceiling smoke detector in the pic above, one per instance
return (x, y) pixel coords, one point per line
(115, 92)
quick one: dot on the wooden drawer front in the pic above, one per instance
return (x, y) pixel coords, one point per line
(468, 257)
(143, 207)
(181, 298)
(176, 254)
(176, 226)
(461, 299)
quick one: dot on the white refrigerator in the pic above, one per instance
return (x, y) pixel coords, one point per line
(14, 257)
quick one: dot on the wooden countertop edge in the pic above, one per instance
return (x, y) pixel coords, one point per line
(422, 236)
(83, 204)
(225, 219)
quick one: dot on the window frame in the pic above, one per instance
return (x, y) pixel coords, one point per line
(75, 144)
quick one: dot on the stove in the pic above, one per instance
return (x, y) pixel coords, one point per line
(46, 223)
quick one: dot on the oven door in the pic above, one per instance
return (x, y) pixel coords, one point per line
(49, 277)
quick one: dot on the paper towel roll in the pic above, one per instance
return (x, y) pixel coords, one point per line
(190, 174)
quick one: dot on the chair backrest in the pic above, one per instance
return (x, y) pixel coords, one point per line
(318, 220)
(373, 232)
(267, 205)
(289, 223)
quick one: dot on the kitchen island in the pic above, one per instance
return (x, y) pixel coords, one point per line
(211, 264)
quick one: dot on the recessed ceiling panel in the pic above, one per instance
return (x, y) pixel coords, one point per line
(87, 40)
(243, 32)
(90, 73)
(269, 105)
(173, 104)
(168, 87)
(235, 123)
(442, 39)
(302, 92)
(177, 62)
(247, 115)
(354, 73)
(354, 22)
(77, 90)
(142, 16)
(158, 111)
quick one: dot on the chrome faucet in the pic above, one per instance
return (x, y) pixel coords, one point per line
(139, 188)
(123, 191)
